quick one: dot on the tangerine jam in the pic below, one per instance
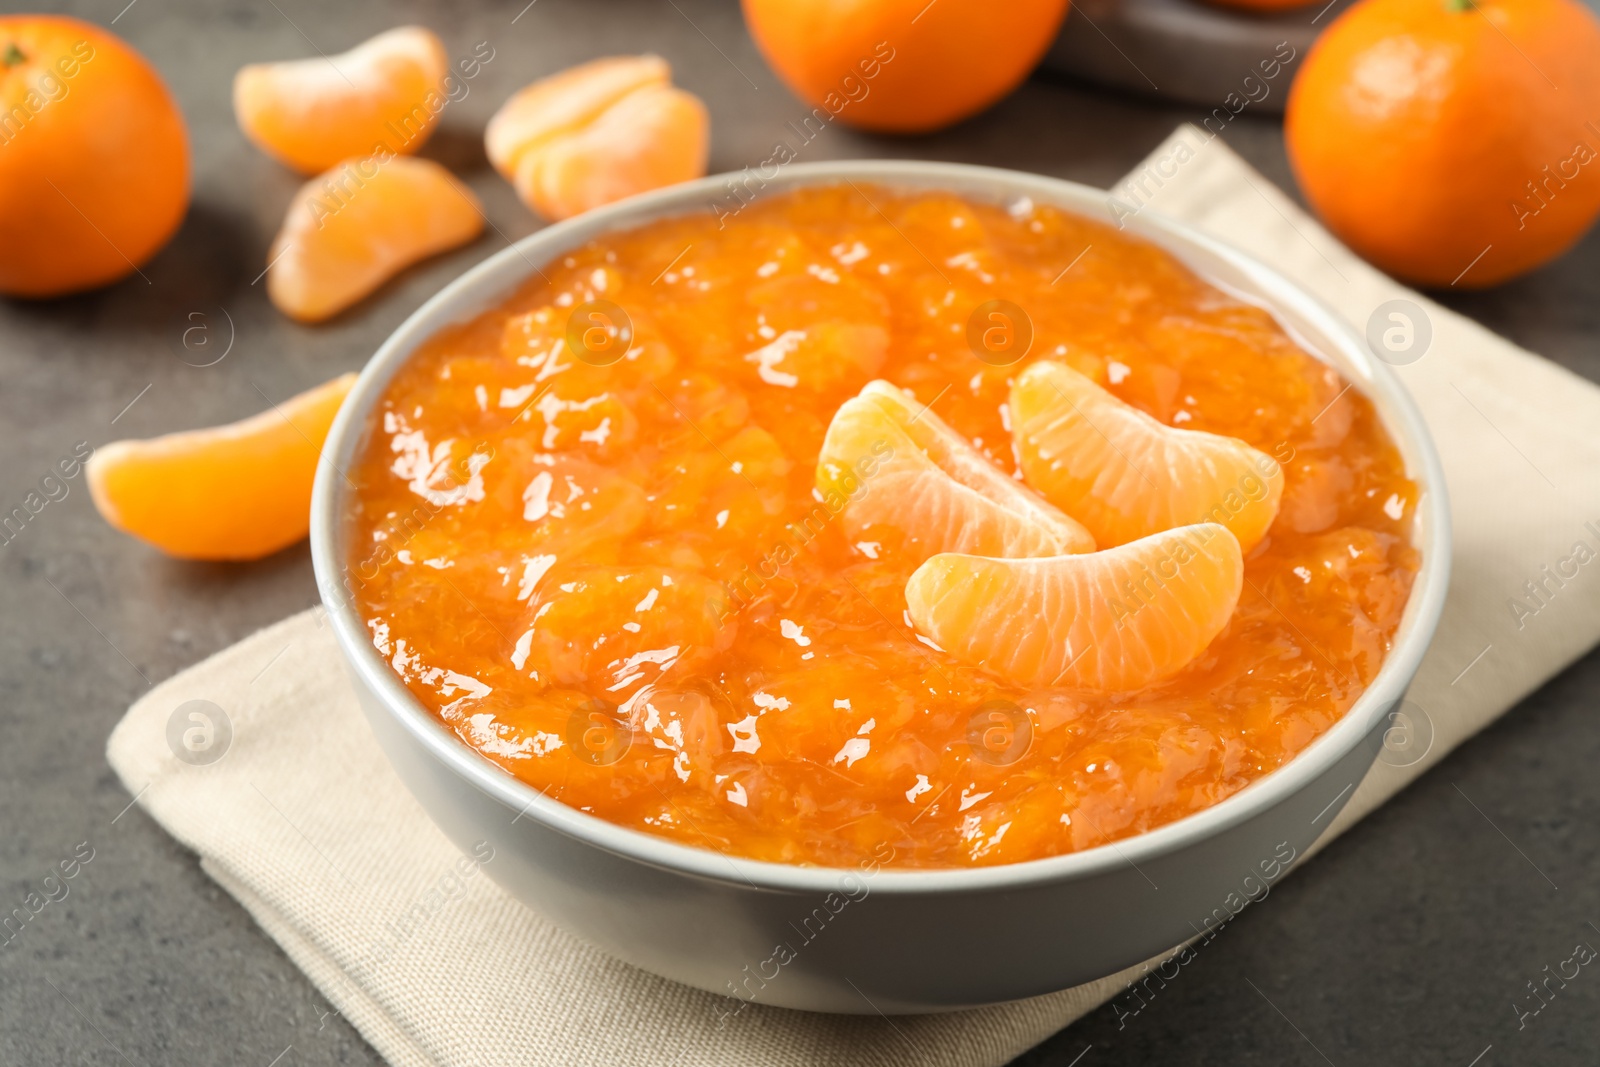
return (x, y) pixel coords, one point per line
(587, 534)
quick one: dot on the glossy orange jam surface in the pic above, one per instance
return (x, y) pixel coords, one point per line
(611, 577)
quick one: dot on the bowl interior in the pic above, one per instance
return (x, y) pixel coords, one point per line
(1313, 325)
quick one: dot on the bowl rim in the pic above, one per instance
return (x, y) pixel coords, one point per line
(490, 281)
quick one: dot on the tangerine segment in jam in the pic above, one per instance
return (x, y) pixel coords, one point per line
(599, 556)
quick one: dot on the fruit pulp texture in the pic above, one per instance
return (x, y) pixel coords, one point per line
(617, 581)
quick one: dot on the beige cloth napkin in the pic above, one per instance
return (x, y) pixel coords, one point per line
(303, 821)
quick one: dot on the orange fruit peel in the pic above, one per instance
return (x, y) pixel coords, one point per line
(1109, 621)
(358, 225)
(234, 492)
(901, 475)
(1123, 474)
(309, 114)
(597, 133)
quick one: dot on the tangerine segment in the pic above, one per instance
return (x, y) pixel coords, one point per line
(360, 224)
(240, 491)
(596, 133)
(385, 93)
(1125, 475)
(905, 479)
(564, 102)
(1108, 621)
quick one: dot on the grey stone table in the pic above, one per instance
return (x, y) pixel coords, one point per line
(1405, 943)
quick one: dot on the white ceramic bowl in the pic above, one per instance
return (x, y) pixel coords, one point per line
(893, 941)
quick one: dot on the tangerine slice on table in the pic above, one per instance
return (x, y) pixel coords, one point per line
(895, 472)
(240, 491)
(1125, 475)
(311, 113)
(358, 225)
(599, 132)
(1108, 621)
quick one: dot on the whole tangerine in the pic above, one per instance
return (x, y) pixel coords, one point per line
(94, 157)
(1452, 142)
(902, 66)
